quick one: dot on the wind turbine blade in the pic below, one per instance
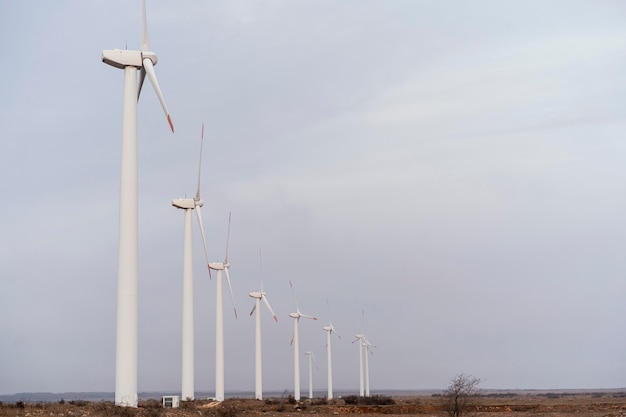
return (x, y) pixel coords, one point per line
(142, 77)
(362, 321)
(332, 330)
(294, 297)
(227, 239)
(269, 307)
(145, 40)
(147, 65)
(200, 164)
(232, 297)
(261, 270)
(206, 253)
(308, 317)
(253, 308)
(330, 321)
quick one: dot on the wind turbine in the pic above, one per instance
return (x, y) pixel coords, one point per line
(359, 338)
(366, 346)
(311, 359)
(188, 204)
(329, 329)
(296, 348)
(219, 319)
(126, 338)
(258, 296)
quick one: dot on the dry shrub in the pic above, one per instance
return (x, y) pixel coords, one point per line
(227, 410)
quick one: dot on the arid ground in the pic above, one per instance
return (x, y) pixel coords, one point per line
(526, 405)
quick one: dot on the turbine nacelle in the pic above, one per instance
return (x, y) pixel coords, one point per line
(218, 266)
(298, 315)
(184, 203)
(122, 58)
(256, 294)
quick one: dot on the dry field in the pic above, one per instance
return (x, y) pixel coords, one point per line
(514, 406)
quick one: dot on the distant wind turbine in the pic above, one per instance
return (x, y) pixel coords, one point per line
(219, 319)
(258, 296)
(359, 338)
(188, 204)
(329, 330)
(126, 339)
(366, 347)
(296, 348)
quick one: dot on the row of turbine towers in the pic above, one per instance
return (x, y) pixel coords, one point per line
(144, 60)
(187, 388)
(188, 391)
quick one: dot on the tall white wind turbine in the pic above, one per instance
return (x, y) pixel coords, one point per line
(296, 345)
(188, 204)
(126, 338)
(258, 371)
(329, 330)
(219, 319)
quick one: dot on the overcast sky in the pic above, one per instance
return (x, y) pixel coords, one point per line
(456, 170)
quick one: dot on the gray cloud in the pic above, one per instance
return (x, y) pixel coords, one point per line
(453, 170)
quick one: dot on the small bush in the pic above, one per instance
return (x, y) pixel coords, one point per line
(381, 400)
(373, 400)
(460, 396)
(351, 399)
(187, 404)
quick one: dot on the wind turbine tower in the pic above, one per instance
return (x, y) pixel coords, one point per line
(311, 358)
(126, 333)
(258, 371)
(329, 330)
(366, 348)
(296, 348)
(188, 204)
(359, 339)
(219, 319)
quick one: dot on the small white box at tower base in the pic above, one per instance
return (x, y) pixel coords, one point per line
(171, 401)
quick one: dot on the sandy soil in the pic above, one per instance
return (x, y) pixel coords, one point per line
(517, 406)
